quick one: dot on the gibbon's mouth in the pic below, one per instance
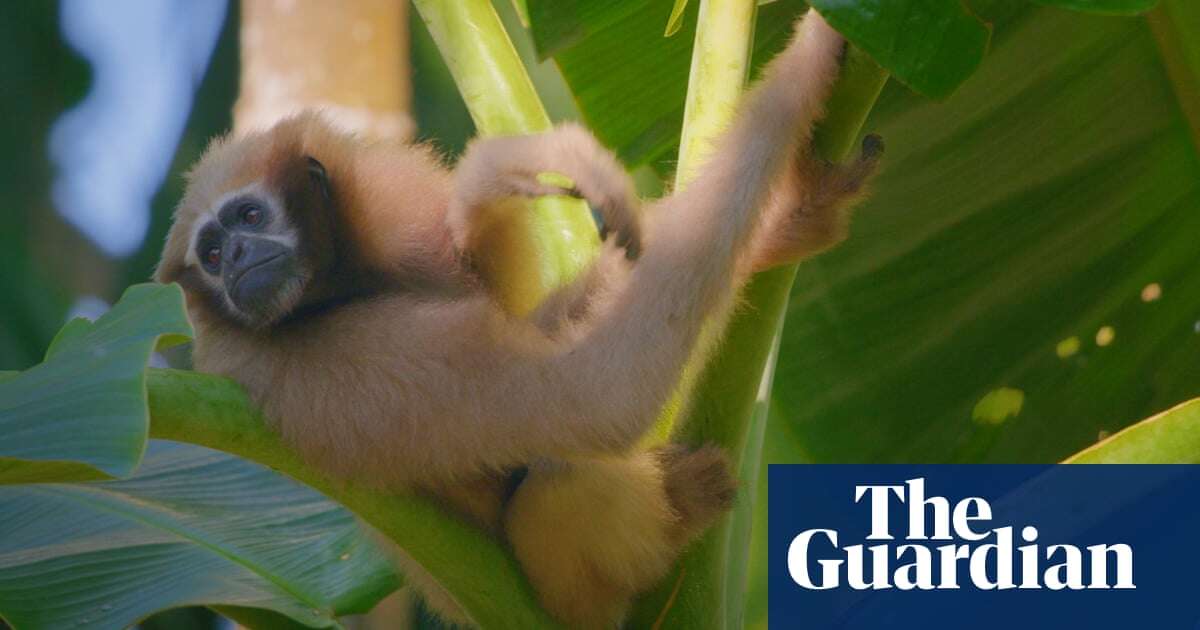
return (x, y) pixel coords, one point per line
(253, 287)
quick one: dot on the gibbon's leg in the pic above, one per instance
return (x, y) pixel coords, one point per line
(809, 208)
(495, 169)
(592, 533)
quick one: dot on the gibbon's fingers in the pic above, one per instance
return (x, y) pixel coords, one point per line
(850, 179)
(495, 168)
(840, 186)
(868, 161)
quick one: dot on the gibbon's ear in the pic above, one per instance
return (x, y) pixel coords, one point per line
(319, 175)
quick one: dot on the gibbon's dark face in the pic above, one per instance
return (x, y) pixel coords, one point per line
(247, 250)
(255, 235)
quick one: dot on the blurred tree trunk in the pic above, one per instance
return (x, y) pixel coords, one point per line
(350, 59)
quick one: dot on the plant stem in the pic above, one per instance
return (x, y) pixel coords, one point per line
(530, 258)
(720, 65)
(485, 579)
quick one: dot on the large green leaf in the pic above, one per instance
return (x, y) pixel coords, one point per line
(930, 45)
(558, 24)
(483, 576)
(82, 413)
(192, 527)
(1036, 234)
(1013, 231)
(1171, 437)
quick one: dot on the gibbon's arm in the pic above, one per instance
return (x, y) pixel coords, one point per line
(460, 379)
(495, 169)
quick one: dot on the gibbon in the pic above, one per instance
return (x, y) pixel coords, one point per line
(333, 279)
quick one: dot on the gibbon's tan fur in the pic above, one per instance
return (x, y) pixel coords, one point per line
(333, 279)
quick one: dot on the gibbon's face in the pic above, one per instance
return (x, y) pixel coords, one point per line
(253, 235)
(247, 251)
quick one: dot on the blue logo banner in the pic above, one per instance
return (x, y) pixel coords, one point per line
(984, 546)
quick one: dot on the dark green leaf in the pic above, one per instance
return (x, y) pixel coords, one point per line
(192, 527)
(1009, 227)
(82, 414)
(557, 24)
(930, 45)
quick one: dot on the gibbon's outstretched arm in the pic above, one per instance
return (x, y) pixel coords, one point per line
(389, 368)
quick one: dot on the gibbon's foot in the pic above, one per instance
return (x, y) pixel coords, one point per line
(698, 484)
(809, 211)
(591, 533)
(836, 183)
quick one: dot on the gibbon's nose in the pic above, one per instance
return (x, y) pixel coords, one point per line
(236, 250)
(243, 252)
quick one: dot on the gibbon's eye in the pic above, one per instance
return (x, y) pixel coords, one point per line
(251, 215)
(212, 257)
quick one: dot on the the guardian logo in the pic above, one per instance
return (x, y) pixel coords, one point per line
(971, 551)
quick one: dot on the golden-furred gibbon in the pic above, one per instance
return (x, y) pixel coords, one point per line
(332, 278)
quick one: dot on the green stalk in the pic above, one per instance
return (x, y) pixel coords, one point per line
(730, 396)
(485, 579)
(720, 65)
(559, 237)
